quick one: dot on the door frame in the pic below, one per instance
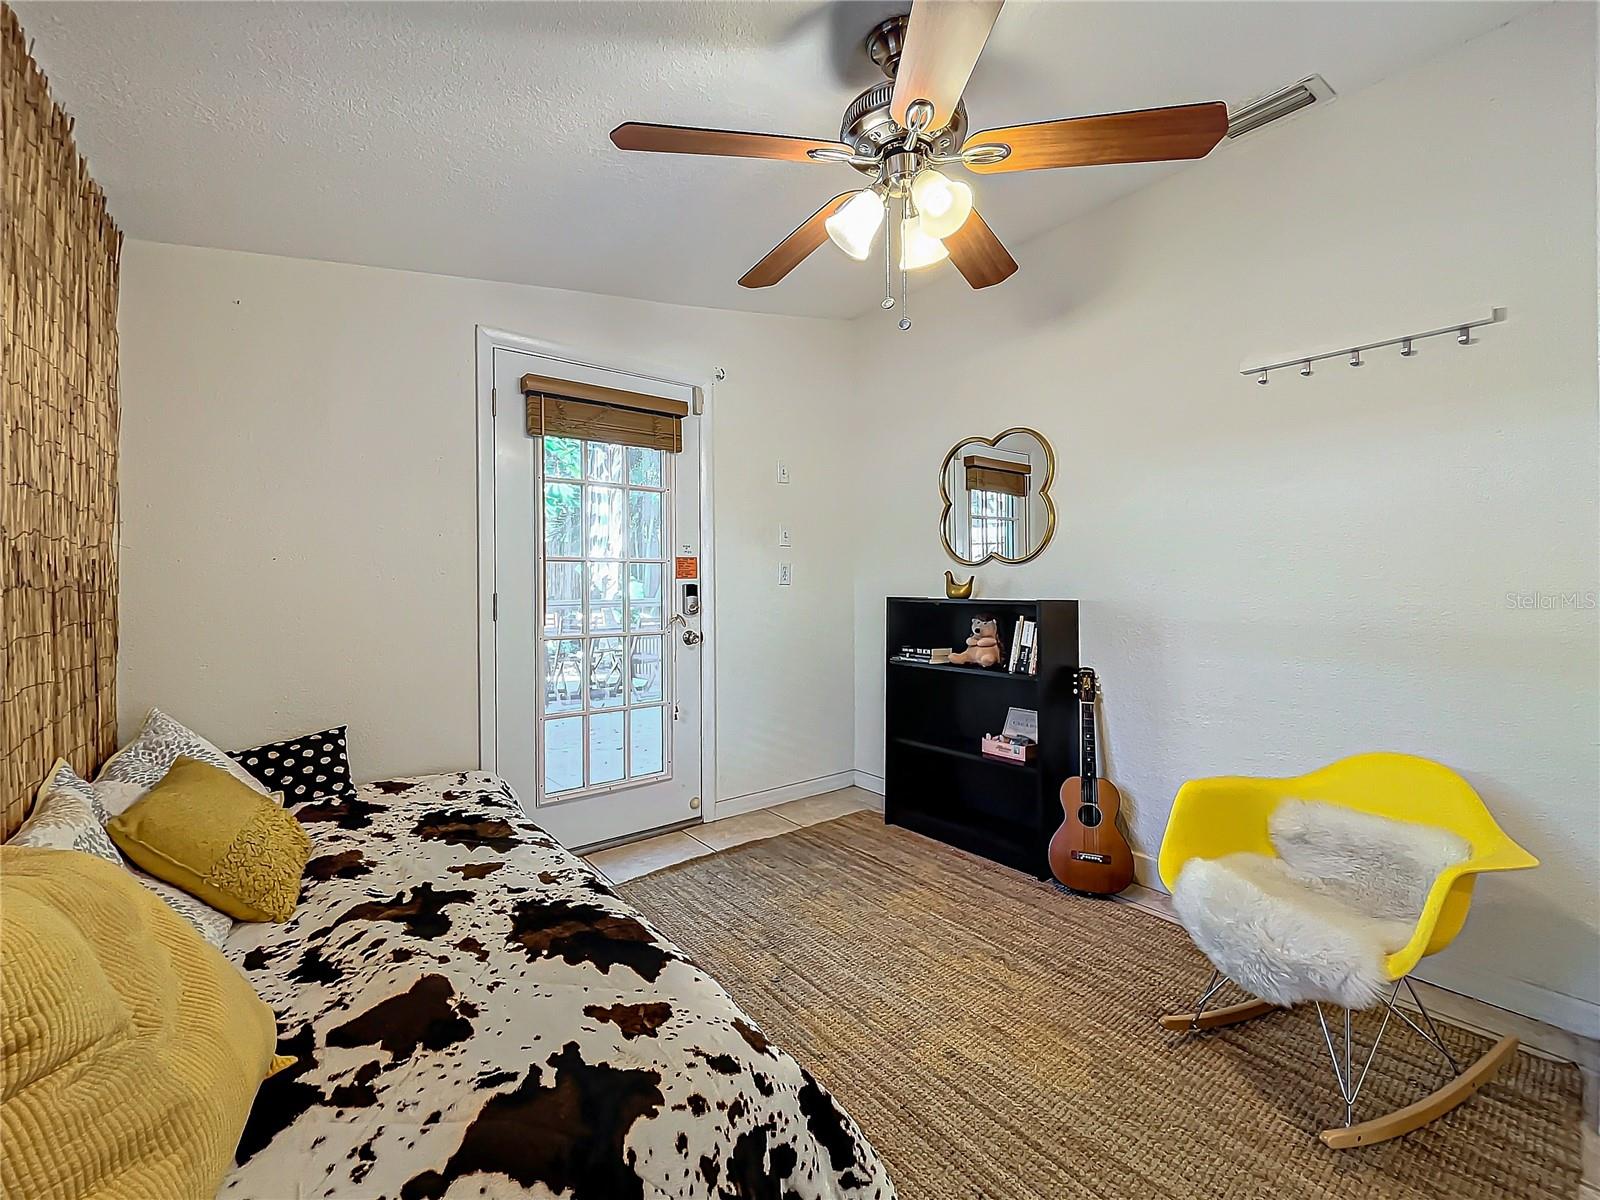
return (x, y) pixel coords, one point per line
(488, 341)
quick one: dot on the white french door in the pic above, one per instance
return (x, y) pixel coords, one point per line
(597, 613)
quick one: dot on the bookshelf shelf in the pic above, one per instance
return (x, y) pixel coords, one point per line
(984, 672)
(937, 782)
(971, 756)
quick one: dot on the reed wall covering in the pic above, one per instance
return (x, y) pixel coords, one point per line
(58, 443)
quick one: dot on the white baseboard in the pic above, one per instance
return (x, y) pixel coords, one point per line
(751, 801)
(869, 782)
(1571, 1013)
(1144, 870)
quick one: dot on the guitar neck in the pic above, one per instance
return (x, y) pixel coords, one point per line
(1088, 769)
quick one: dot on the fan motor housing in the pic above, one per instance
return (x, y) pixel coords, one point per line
(868, 125)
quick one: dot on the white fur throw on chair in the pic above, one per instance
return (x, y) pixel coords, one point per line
(1317, 922)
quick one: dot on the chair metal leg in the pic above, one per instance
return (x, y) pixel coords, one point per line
(1454, 1092)
(1435, 1041)
(1206, 1017)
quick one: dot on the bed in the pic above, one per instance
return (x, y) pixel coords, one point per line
(475, 1013)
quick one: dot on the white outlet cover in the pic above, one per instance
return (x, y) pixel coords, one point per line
(785, 574)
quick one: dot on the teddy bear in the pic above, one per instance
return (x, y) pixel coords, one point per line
(983, 647)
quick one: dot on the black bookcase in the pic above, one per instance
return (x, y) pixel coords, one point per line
(936, 779)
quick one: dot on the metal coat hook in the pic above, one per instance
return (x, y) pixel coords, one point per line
(1406, 342)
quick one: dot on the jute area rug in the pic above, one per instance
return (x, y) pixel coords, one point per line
(996, 1038)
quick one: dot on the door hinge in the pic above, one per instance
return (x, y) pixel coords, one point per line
(494, 402)
(494, 606)
(674, 712)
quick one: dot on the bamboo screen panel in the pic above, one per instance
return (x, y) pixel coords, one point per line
(58, 444)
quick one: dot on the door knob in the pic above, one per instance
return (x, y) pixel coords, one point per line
(691, 638)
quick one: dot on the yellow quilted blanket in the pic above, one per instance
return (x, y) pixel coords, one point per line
(130, 1050)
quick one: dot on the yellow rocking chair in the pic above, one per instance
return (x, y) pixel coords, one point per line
(1213, 819)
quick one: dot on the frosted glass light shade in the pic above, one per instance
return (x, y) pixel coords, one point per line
(856, 223)
(918, 248)
(943, 204)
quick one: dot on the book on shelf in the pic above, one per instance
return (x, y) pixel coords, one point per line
(1025, 650)
(925, 654)
(1016, 646)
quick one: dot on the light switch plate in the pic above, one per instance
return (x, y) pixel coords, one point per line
(783, 536)
(785, 574)
(783, 471)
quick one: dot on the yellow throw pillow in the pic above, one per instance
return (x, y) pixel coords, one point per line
(130, 1050)
(202, 830)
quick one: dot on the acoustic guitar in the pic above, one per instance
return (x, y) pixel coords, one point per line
(1088, 853)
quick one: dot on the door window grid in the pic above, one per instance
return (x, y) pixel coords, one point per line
(992, 524)
(606, 515)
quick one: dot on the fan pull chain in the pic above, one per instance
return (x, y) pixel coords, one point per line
(888, 260)
(905, 307)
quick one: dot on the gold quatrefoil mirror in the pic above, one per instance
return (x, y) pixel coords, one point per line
(996, 496)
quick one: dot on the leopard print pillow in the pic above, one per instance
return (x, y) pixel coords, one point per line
(68, 815)
(142, 763)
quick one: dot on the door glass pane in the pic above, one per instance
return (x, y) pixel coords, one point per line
(563, 458)
(605, 597)
(562, 530)
(644, 596)
(644, 467)
(605, 747)
(644, 524)
(563, 676)
(644, 741)
(607, 673)
(604, 517)
(644, 669)
(563, 598)
(604, 655)
(563, 754)
(605, 462)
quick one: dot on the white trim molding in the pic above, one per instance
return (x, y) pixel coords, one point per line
(489, 340)
(766, 798)
(867, 781)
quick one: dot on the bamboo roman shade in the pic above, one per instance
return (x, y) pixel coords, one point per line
(58, 442)
(996, 475)
(563, 408)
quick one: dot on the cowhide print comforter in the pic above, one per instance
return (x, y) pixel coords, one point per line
(476, 1014)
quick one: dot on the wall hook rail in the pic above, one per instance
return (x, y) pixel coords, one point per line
(1461, 329)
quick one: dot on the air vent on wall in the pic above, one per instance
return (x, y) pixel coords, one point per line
(1313, 89)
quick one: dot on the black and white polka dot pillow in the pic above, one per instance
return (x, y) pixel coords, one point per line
(315, 766)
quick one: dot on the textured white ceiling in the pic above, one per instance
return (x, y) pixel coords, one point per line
(469, 139)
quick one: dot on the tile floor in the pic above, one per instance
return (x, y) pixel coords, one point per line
(622, 863)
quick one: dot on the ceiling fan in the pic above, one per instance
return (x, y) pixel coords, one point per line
(900, 132)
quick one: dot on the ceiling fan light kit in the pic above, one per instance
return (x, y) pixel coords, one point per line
(855, 225)
(900, 131)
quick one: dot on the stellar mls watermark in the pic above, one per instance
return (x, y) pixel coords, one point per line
(1554, 600)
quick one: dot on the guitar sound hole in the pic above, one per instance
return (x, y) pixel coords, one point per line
(1088, 815)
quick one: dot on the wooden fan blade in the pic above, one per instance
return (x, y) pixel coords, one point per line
(685, 139)
(978, 254)
(943, 41)
(793, 250)
(1148, 135)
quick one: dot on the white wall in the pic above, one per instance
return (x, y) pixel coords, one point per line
(1272, 577)
(298, 506)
